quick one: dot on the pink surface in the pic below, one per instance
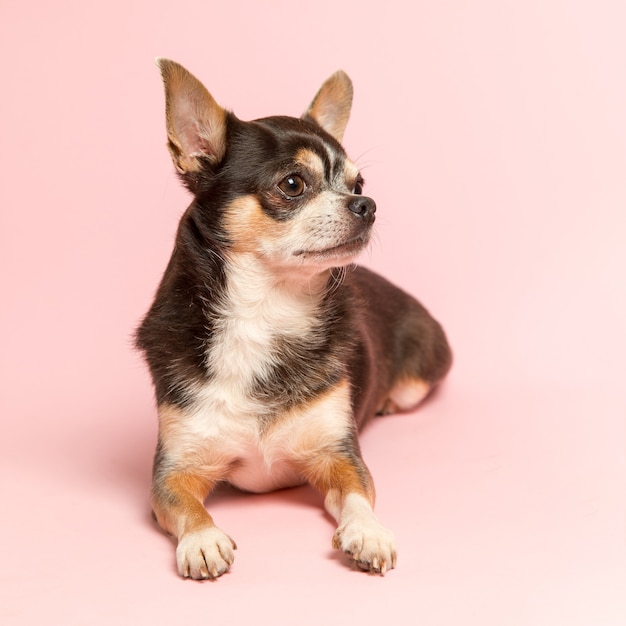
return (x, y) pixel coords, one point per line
(493, 138)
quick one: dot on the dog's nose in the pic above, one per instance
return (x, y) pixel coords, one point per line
(363, 207)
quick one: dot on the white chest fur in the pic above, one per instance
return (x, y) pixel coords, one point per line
(225, 424)
(255, 311)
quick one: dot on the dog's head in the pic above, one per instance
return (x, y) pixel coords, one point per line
(279, 188)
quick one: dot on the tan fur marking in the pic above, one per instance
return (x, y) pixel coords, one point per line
(314, 164)
(311, 161)
(248, 226)
(178, 504)
(343, 476)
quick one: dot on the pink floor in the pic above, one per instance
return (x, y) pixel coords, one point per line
(493, 138)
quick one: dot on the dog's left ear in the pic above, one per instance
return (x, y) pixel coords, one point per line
(331, 106)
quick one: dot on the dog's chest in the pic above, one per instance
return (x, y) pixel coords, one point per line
(255, 325)
(255, 318)
(257, 456)
(235, 413)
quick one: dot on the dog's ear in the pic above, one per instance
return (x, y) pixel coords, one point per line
(196, 124)
(331, 106)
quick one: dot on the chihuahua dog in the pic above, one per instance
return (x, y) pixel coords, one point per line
(267, 347)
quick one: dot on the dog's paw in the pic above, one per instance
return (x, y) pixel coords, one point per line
(371, 546)
(206, 553)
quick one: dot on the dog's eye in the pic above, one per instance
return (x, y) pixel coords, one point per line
(292, 186)
(358, 186)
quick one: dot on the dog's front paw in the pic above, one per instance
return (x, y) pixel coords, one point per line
(368, 543)
(206, 553)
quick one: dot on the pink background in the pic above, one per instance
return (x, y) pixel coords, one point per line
(493, 137)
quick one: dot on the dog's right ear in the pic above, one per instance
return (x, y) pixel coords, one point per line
(196, 124)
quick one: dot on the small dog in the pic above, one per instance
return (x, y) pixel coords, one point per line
(268, 350)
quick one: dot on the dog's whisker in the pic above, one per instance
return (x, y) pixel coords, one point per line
(358, 160)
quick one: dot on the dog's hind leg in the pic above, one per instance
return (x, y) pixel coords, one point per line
(426, 359)
(406, 346)
(405, 395)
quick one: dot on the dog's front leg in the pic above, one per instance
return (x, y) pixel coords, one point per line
(178, 494)
(203, 550)
(348, 487)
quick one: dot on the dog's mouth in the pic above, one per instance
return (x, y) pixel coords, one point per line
(345, 249)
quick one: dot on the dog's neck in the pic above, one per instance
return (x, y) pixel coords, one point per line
(253, 281)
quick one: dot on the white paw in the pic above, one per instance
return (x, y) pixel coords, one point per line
(368, 543)
(206, 553)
